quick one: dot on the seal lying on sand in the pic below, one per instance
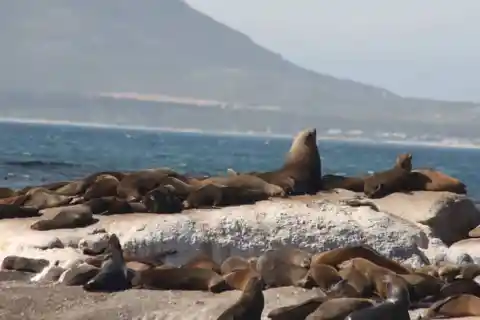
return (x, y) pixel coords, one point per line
(250, 305)
(383, 183)
(113, 275)
(9, 211)
(76, 216)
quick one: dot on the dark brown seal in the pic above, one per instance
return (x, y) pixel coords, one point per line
(383, 183)
(105, 185)
(336, 256)
(433, 180)
(331, 181)
(9, 211)
(112, 205)
(76, 216)
(338, 308)
(24, 264)
(297, 311)
(463, 305)
(238, 279)
(113, 275)
(302, 170)
(250, 304)
(163, 199)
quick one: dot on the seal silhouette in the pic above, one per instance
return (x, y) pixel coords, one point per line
(302, 169)
(250, 304)
(383, 183)
(76, 216)
(113, 275)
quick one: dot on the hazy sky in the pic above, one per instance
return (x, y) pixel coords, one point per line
(426, 48)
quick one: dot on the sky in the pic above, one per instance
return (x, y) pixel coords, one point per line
(421, 48)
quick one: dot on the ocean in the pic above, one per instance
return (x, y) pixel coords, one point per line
(38, 153)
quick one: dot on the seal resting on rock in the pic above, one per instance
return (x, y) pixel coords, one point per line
(433, 180)
(338, 308)
(301, 172)
(234, 263)
(163, 199)
(383, 183)
(463, 305)
(250, 304)
(113, 275)
(105, 185)
(9, 211)
(297, 311)
(76, 216)
(324, 276)
(331, 181)
(24, 264)
(42, 198)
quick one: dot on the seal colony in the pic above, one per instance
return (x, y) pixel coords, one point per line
(354, 282)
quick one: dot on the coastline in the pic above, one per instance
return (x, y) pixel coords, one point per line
(430, 144)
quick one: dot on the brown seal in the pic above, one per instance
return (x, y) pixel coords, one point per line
(79, 275)
(80, 187)
(204, 261)
(383, 183)
(238, 279)
(463, 305)
(234, 263)
(181, 279)
(297, 311)
(421, 285)
(283, 267)
(338, 308)
(9, 211)
(331, 181)
(105, 185)
(113, 275)
(163, 199)
(450, 272)
(323, 276)
(49, 186)
(76, 216)
(6, 193)
(433, 180)
(112, 205)
(395, 307)
(24, 264)
(250, 304)
(302, 169)
(336, 256)
(42, 198)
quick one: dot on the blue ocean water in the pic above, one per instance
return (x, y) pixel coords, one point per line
(36, 153)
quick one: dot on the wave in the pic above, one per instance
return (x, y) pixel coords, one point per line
(41, 163)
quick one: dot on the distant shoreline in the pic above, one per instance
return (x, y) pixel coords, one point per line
(432, 144)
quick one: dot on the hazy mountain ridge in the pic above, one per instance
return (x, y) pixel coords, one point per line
(162, 47)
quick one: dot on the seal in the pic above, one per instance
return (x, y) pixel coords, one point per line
(323, 276)
(76, 216)
(332, 181)
(234, 263)
(474, 233)
(395, 307)
(336, 256)
(105, 185)
(383, 183)
(450, 272)
(18, 263)
(136, 184)
(203, 261)
(339, 308)
(181, 279)
(42, 198)
(6, 193)
(301, 172)
(463, 305)
(79, 275)
(283, 267)
(433, 180)
(112, 205)
(49, 186)
(421, 285)
(163, 199)
(250, 304)
(113, 275)
(297, 311)
(238, 279)
(9, 211)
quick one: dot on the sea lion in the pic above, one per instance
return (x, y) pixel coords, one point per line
(105, 185)
(113, 275)
(42, 198)
(324, 276)
(336, 256)
(331, 181)
(250, 304)
(283, 267)
(421, 285)
(163, 199)
(136, 184)
(433, 180)
(204, 261)
(18, 263)
(297, 311)
(383, 183)
(6, 193)
(463, 305)
(338, 308)
(9, 211)
(355, 279)
(81, 186)
(238, 279)
(302, 168)
(49, 186)
(395, 307)
(234, 263)
(76, 216)
(181, 279)
(112, 205)
(79, 275)
(72, 188)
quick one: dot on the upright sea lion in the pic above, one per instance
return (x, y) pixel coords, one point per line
(302, 170)
(24, 264)
(250, 304)
(338, 308)
(113, 275)
(463, 305)
(42, 198)
(383, 183)
(433, 180)
(136, 184)
(9, 211)
(181, 279)
(283, 267)
(395, 307)
(336, 256)
(76, 216)
(6, 193)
